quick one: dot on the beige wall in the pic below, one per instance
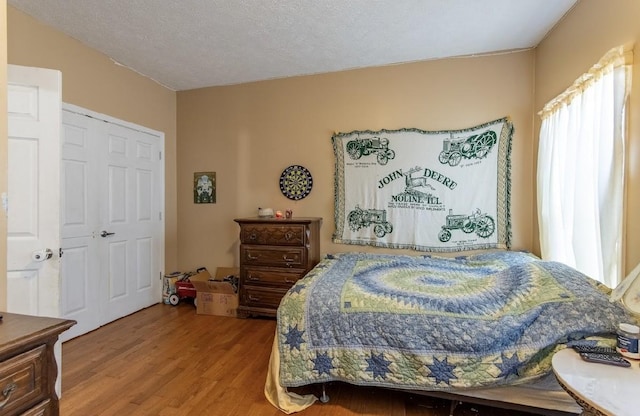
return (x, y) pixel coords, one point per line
(576, 43)
(3, 149)
(249, 133)
(91, 80)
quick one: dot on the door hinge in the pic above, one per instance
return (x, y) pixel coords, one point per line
(160, 276)
(60, 252)
(159, 155)
(160, 216)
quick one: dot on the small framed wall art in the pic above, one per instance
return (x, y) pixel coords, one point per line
(204, 188)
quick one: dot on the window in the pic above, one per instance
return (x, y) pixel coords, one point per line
(581, 170)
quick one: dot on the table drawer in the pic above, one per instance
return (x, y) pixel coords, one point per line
(271, 276)
(273, 256)
(22, 380)
(255, 297)
(274, 234)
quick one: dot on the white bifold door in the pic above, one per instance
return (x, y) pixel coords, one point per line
(111, 219)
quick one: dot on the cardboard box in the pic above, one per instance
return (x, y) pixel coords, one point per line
(215, 297)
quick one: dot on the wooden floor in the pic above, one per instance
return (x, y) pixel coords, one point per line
(167, 360)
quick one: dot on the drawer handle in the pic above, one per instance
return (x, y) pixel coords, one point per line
(287, 259)
(287, 280)
(253, 236)
(288, 236)
(6, 392)
(250, 257)
(254, 278)
(254, 298)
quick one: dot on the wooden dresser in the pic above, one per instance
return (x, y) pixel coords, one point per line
(28, 367)
(274, 254)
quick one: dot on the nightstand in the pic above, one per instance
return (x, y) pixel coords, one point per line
(600, 389)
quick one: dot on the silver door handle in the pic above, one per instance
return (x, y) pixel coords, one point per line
(105, 234)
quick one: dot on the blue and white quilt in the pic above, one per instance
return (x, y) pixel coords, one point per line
(435, 323)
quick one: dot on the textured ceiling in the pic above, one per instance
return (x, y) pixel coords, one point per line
(186, 44)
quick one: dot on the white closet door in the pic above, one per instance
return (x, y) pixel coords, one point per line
(130, 234)
(80, 262)
(112, 226)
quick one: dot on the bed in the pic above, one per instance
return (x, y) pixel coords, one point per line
(479, 328)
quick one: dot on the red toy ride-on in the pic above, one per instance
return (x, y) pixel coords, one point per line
(184, 290)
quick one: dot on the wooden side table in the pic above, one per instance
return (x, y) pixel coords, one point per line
(28, 367)
(600, 389)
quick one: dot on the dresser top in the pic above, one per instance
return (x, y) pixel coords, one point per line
(16, 329)
(294, 220)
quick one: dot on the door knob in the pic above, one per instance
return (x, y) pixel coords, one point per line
(42, 255)
(105, 233)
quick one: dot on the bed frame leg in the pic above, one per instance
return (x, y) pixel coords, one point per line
(324, 398)
(454, 404)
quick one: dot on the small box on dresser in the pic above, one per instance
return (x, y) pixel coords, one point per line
(274, 254)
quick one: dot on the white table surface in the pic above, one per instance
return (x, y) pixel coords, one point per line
(609, 389)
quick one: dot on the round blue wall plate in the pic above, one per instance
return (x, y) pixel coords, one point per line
(296, 182)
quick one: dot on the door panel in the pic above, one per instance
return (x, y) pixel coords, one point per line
(79, 298)
(78, 204)
(117, 197)
(117, 270)
(144, 274)
(144, 195)
(24, 284)
(76, 261)
(24, 222)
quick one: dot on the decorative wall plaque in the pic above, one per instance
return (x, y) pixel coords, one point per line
(204, 187)
(296, 182)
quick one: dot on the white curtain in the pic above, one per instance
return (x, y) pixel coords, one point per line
(581, 170)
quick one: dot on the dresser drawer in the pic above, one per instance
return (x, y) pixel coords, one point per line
(273, 256)
(271, 276)
(42, 409)
(255, 297)
(22, 380)
(274, 234)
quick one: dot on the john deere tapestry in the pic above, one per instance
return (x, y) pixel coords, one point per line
(439, 191)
